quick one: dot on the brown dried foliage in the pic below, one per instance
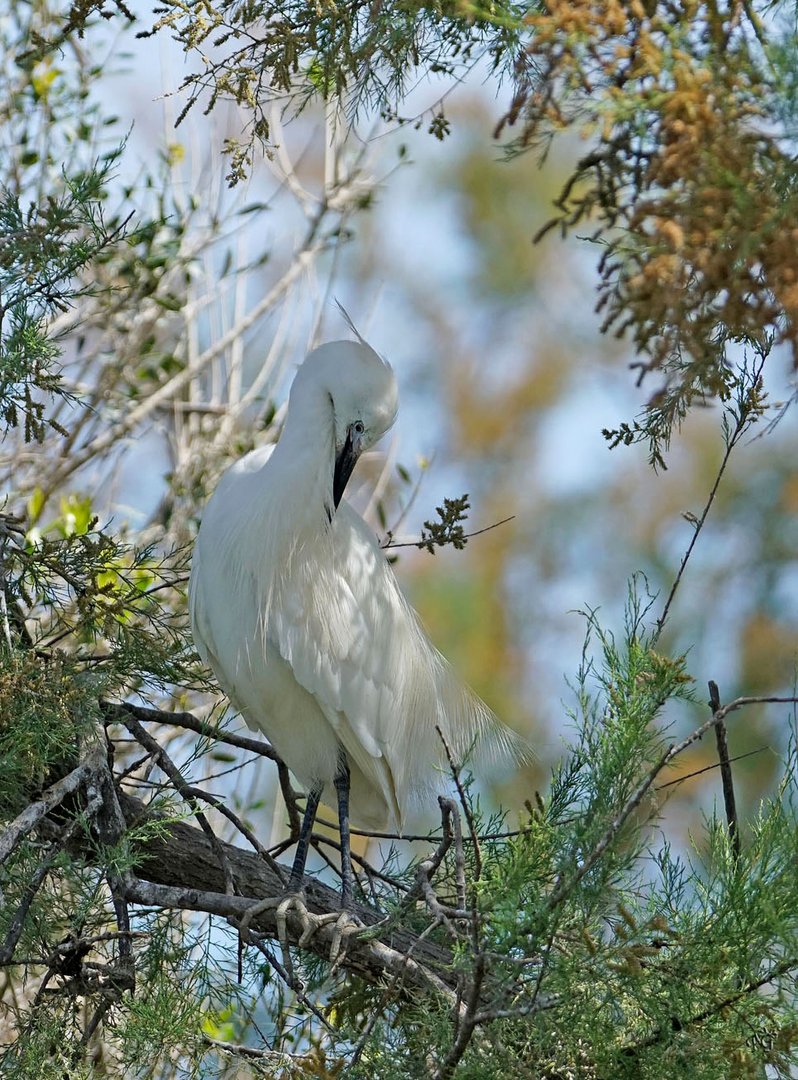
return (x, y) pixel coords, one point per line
(688, 187)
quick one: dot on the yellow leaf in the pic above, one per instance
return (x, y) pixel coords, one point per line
(44, 75)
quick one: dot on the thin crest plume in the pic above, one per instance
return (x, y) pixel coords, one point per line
(351, 325)
(350, 322)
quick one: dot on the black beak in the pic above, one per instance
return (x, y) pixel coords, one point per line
(344, 464)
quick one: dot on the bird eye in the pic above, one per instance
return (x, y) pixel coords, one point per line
(358, 427)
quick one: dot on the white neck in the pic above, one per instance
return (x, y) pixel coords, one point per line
(306, 451)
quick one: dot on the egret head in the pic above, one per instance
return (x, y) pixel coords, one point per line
(362, 394)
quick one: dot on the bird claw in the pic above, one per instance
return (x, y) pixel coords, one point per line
(284, 905)
(252, 913)
(310, 924)
(295, 902)
(347, 925)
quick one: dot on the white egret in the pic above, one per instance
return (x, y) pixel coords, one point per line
(295, 608)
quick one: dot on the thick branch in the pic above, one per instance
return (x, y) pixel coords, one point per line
(179, 868)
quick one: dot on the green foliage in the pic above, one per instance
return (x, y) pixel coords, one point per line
(580, 944)
(47, 707)
(71, 585)
(691, 190)
(606, 954)
(162, 1019)
(44, 246)
(52, 219)
(364, 55)
(449, 529)
(744, 404)
(65, 244)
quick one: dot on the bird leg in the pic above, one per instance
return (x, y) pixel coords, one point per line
(292, 902)
(300, 858)
(342, 790)
(294, 891)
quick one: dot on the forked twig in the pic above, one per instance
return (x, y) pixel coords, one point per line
(191, 794)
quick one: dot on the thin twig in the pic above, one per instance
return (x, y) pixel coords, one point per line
(459, 855)
(370, 871)
(190, 794)
(468, 1022)
(376, 1013)
(709, 768)
(287, 977)
(429, 838)
(725, 771)
(740, 426)
(385, 545)
(277, 1058)
(116, 713)
(464, 803)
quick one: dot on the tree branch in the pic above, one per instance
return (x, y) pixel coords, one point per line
(179, 868)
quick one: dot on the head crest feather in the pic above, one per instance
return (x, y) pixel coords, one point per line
(350, 323)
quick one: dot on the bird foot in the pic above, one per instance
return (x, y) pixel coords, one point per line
(347, 925)
(295, 902)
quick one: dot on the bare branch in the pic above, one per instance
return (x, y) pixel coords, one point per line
(189, 793)
(725, 771)
(115, 713)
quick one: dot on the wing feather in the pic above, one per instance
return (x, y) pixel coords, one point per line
(357, 646)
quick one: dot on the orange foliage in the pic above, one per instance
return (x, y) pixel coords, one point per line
(690, 192)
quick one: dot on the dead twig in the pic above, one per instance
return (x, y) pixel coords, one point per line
(33, 814)
(726, 778)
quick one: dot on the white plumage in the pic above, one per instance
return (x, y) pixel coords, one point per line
(295, 608)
